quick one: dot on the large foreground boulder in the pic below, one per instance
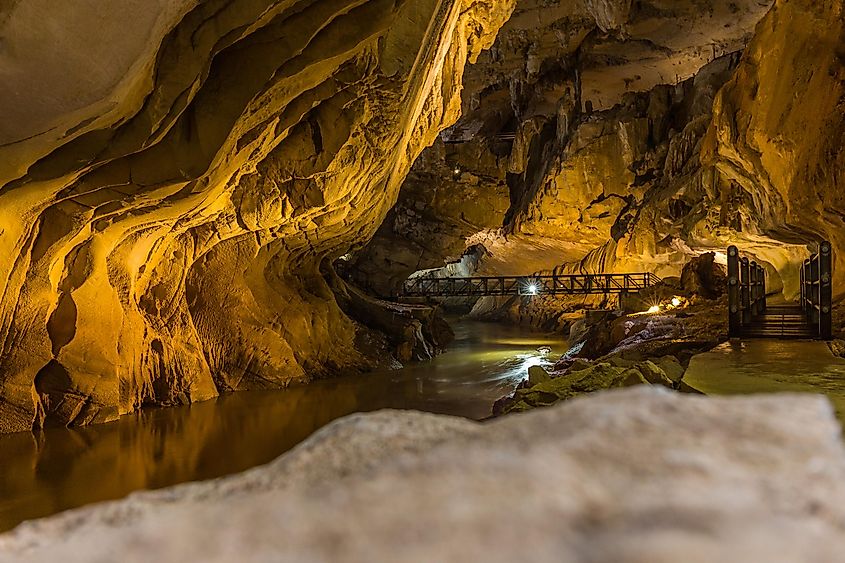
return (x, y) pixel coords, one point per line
(634, 475)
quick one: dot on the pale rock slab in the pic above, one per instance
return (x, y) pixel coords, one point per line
(630, 476)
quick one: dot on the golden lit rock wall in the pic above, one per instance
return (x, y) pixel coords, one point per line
(588, 188)
(778, 130)
(746, 152)
(175, 173)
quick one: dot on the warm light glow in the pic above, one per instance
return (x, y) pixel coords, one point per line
(532, 289)
(653, 309)
(676, 302)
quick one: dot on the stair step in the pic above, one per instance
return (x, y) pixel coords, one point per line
(759, 331)
(797, 331)
(777, 332)
(748, 330)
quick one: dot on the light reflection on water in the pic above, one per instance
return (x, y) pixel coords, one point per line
(65, 468)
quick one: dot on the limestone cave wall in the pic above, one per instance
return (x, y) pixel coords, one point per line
(778, 132)
(175, 173)
(612, 167)
(592, 115)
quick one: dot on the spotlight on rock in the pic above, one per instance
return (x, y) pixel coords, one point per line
(676, 302)
(653, 309)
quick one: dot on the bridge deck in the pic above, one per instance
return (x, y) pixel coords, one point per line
(568, 284)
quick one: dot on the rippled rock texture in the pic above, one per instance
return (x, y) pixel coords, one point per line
(173, 175)
(779, 128)
(589, 116)
(629, 476)
(614, 162)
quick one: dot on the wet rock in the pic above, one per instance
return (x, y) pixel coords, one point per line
(537, 375)
(837, 347)
(597, 377)
(654, 375)
(598, 336)
(657, 476)
(579, 364)
(671, 366)
(702, 276)
(627, 327)
(578, 377)
(416, 332)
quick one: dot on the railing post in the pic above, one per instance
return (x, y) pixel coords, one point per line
(805, 289)
(763, 293)
(734, 314)
(745, 289)
(753, 280)
(801, 282)
(825, 291)
(813, 288)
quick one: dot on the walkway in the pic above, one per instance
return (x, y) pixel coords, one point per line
(557, 284)
(770, 366)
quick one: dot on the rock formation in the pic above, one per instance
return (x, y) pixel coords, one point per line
(628, 476)
(778, 129)
(177, 184)
(173, 175)
(606, 104)
(619, 163)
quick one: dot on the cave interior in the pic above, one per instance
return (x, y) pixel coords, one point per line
(231, 229)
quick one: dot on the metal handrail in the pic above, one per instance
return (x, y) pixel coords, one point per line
(817, 290)
(746, 291)
(555, 284)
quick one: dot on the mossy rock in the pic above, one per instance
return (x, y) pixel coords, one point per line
(672, 367)
(654, 374)
(596, 377)
(580, 364)
(537, 375)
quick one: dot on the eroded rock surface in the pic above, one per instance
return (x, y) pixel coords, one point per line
(779, 125)
(591, 114)
(166, 211)
(733, 146)
(636, 475)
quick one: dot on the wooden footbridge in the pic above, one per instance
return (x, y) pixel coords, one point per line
(750, 316)
(557, 284)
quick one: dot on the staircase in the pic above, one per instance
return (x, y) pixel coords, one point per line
(783, 322)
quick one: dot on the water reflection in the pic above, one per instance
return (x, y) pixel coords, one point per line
(60, 469)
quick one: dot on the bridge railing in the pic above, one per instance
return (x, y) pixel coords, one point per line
(556, 284)
(746, 291)
(817, 290)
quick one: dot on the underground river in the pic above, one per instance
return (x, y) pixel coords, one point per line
(59, 469)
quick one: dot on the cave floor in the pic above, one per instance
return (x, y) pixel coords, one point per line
(742, 367)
